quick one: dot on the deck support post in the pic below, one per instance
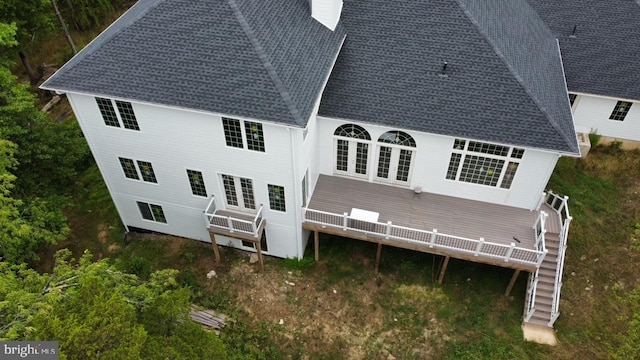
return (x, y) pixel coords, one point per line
(378, 253)
(316, 245)
(214, 244)
(512, 282)
(443, 270)
(259, 250)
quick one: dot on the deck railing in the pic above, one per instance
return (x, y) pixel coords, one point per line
(231, 223)
(561, 207)
(531, 296)
(431, 239)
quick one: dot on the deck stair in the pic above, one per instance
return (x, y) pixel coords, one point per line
(543, 292)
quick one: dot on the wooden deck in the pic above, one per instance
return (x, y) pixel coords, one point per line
(242, 235)
(449, 215)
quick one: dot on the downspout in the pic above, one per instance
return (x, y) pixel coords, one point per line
(296, 196)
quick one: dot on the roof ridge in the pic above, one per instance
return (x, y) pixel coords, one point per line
(279, 84)
(516, 75)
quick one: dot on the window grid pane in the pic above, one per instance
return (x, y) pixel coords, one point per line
(352, 131)
(384, 161)
(145, 211)
(509, 174)
(276, 198)
(342, 157)
(129, 168)
(230, 190)
(128, 117)
(404, 162)
(232, 132)
(158, 214)
(398, 138)
(486, 148)
(247, 193)
(481, 170)
(362, 151)
(108, 112)
(197, 183)
(458, 144)
(454, 164)
(255, 136)
(517, 153)
(147, 171)
(620, 111)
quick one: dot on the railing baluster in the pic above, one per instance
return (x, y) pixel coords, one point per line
(479, 247)
(509, 252)
(344, 222)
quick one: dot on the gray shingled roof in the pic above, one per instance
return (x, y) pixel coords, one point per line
(504, 80)
(263, 59)
(603, 57)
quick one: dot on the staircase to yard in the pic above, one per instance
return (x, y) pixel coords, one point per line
(543, 292)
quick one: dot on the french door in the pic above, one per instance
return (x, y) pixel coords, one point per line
(393, 164)
(238, 193)
(351, 157)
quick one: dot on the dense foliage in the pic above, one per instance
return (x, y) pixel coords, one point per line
(95, 310)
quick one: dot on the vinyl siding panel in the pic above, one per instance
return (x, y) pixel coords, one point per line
(591, 114)
(430, 163)
(173, 141)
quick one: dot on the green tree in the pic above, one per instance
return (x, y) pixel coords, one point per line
(49, 154)
(97, 311)
(88, 13)
(32, 18)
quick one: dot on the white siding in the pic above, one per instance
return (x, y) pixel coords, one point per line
(429, 167)
(173, 141)
(591, 114)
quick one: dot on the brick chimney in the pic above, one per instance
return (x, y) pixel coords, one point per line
(327, 12)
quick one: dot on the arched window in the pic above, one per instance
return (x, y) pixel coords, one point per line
(394, 162)
(352, 131)
(398, 138)
(351, 150)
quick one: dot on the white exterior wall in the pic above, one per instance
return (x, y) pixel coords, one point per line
(429, 167)
(174, 140)
(591, 114)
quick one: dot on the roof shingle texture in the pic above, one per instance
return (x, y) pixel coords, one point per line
(266, 60)
(503, 83)
(603, 57)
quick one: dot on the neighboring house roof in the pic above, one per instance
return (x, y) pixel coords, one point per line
(266, 59)
(504, 80)
(603, 57)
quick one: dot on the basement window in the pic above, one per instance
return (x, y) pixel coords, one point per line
(152, 212)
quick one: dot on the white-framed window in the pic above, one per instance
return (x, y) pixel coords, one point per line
(395, 156)
(351, 150)
(484, 163)
(238, 192)
(124, 117)
(620, 111)
(250, 135)
(196, 181)
(151, 212)
(136, 170)
(276, 198)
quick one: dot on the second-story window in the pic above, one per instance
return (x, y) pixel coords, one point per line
(144, 169)
(250, 135)
(197, 183)
(276, 198)
(125, 117)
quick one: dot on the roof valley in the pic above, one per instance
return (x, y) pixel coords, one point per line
(279, 84)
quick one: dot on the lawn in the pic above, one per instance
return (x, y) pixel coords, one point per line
(339, 308)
